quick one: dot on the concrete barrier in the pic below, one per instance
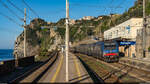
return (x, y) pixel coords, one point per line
(10, 65)
(1, 63)
(7, 66)
(23, 62)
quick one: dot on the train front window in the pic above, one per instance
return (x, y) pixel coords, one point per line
(109, 46)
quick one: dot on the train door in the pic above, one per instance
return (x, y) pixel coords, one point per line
(95, 50)
(85, 48)
(98, 51)
(91, 51)
(88, 49)
(82, 49)
(102, 49)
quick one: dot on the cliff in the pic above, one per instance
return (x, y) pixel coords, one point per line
(39, 38)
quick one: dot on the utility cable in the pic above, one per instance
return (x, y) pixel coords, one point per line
(18, 8)
(30, 8)
(10, 19)
(11, 10)
(15, 6)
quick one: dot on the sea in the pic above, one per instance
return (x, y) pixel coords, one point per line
(6, 54)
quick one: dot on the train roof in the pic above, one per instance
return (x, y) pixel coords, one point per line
(101, 42)
(109, 40)
(98, 43)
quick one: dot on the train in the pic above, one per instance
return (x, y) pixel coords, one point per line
(107, 51)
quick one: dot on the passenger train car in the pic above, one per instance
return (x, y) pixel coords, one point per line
(106, 51)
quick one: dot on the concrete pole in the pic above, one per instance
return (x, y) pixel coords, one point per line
(25, 33)
(67, 38)
(144, 28)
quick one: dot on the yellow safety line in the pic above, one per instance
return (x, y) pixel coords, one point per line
(57, 70)
(77, 68)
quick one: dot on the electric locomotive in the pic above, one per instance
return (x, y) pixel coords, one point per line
(110, 51)
(106, 51)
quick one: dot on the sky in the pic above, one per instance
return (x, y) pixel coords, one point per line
(51, 11)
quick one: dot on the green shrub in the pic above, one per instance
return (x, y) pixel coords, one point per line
(43, 52)
(149, 49)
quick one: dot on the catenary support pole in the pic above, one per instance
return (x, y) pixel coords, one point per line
(67, 39)
(144, 29)
(25, 33)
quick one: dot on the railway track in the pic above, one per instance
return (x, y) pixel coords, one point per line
(95, 77)
(140, 74)
(34, 74)
(103, 73)
(116, 72)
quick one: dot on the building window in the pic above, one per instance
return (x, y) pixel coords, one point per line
(111, 34)
(117, 32)
(128, 29)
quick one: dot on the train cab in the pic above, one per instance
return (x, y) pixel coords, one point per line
(110, 51)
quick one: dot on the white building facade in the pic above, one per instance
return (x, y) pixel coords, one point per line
(127, 29)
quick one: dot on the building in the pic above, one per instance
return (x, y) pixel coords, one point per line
(127, 29)
(87, 18)
(126, 34)
(49, 22)
(72, 22)
(98, 18)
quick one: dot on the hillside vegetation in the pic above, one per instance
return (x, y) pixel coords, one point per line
(40, 38)
(83, 28)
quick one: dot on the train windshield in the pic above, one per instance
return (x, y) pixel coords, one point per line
(109, 46)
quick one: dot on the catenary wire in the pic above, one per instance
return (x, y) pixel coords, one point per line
(30, 8)
(11, 10)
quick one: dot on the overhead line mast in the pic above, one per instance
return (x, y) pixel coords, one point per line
(144, 29)
(67, 39)
(25, 33)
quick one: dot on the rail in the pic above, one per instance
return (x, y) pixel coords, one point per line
(93, 74)
(37, 72)
(126, 70)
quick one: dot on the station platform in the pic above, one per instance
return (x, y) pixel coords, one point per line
(136, 62)
(57, 73)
